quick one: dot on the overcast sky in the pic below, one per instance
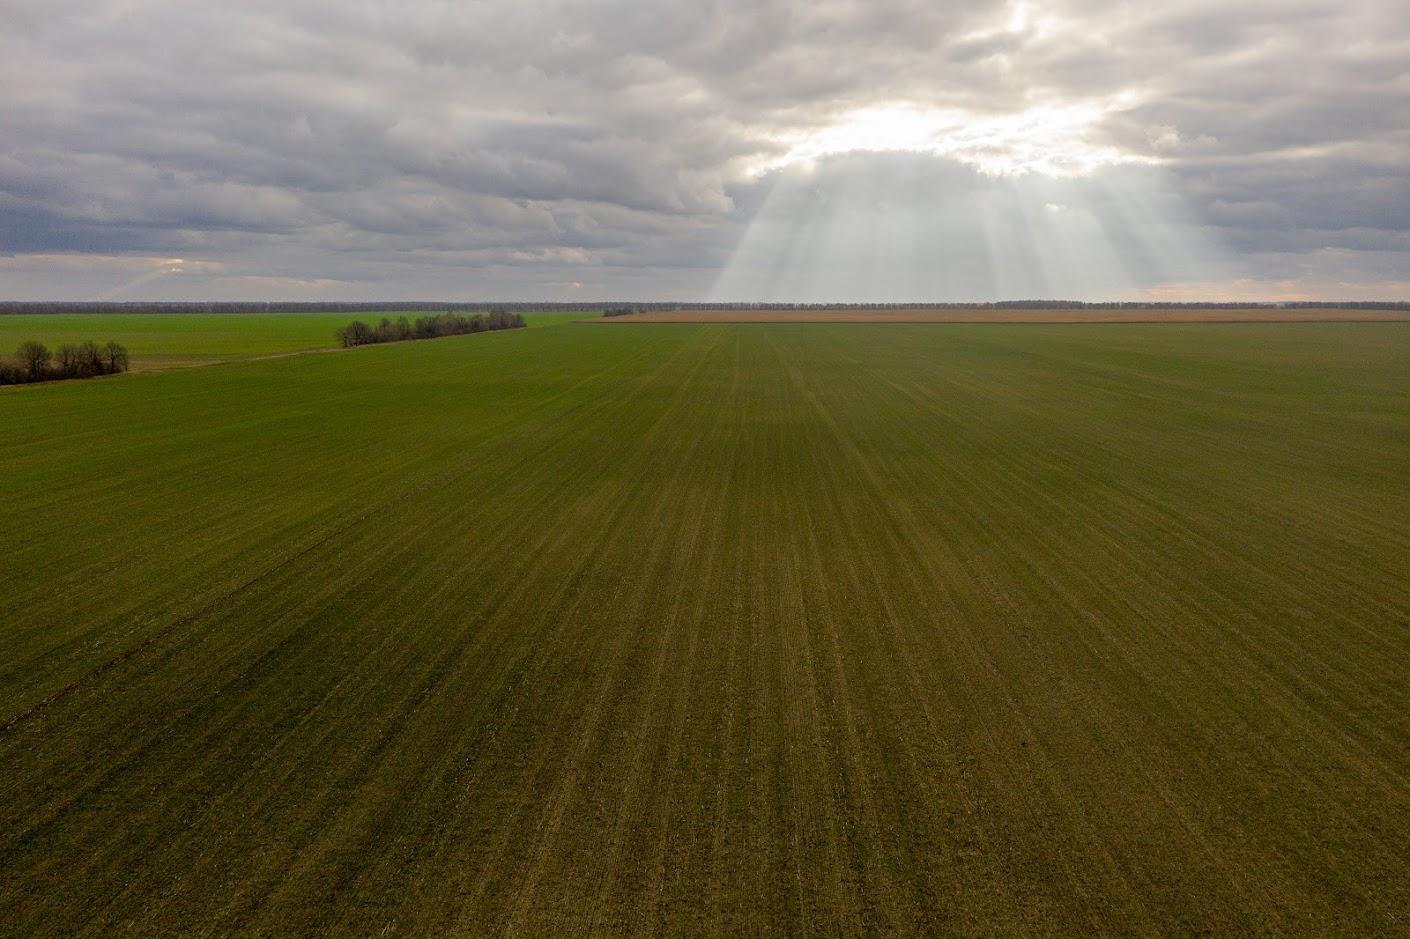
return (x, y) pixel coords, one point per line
(848, 149)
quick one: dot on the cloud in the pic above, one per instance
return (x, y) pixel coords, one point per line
(435, 148)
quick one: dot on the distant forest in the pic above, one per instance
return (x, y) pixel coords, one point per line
(12, 307)
(620, 307)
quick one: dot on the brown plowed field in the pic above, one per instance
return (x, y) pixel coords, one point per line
(1015, 315)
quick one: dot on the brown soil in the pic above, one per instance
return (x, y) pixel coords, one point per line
(1017, 315)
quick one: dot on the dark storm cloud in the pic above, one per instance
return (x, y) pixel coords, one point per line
(569, 149)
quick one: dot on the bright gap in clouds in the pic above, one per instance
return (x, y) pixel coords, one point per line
(902, 225)
(899, 202)
(1057, 140)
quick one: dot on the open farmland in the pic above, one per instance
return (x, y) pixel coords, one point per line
(716, 629)
(165, 340)
(884, 313)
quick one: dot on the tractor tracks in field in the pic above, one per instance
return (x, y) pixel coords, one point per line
(97, 672)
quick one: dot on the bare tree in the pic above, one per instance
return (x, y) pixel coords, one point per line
(34, 356)
(90, 359)
(69, 357)
(115, 356)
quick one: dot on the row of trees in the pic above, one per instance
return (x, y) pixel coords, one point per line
(593, 306)
(358, 333)
(34, 362)
(222, 306)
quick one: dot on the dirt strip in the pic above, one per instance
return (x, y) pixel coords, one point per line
(1020, 315)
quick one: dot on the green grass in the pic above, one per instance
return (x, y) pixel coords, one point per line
(713, 629)
(161, 340)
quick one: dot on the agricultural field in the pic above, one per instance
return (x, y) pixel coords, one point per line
(162, 340)
(714, 629)
(1009, 314)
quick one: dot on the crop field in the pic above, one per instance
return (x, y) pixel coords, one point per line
(714, 629)
(1006, 314)
(163, 340)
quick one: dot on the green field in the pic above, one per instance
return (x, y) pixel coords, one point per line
(742, 630)
(164, 340)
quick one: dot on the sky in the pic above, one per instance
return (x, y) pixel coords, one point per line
(820, 150)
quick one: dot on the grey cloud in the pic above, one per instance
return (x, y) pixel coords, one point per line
(524, 148)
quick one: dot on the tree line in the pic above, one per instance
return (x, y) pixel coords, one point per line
(358, 333)
(619, 307)
(8, 307)
(35, 362)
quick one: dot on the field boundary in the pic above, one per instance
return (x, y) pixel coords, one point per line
(1122, 316)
